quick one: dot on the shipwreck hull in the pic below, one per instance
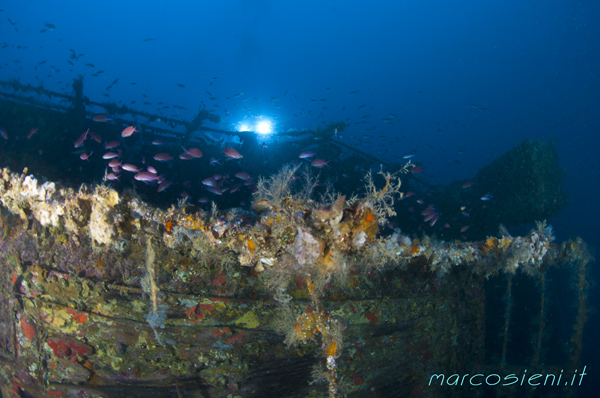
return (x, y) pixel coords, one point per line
(69, 323)
(106, 296)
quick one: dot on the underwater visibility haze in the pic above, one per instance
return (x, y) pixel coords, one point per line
(255, 198)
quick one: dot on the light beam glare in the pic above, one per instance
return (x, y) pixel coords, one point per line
(264, 127)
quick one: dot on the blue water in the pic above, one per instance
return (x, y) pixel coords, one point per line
(465, 80)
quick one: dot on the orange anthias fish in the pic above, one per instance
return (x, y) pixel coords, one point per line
(162, 157)
(32, 132)
(194, 152)
(243, 176)
(128, 131)
(319, 163)
(101, 117)
(306, 155)
(232, 154)
(96, 137)
(79, 142)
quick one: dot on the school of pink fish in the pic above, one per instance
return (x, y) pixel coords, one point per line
(217, 184)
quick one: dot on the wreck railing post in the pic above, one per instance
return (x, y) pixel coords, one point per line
(582, 291)
(577, 253)
(76, 113)
(507, 313)
(196, 123)
(542, 325)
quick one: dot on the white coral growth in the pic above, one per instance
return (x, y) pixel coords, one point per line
(101, 226)
(44, 209)
(306, 248)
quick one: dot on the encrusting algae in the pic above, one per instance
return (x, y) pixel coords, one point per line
(108, 289)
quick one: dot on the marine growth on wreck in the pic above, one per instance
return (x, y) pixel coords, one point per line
(301, 295)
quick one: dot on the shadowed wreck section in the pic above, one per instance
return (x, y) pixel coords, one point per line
(104, 295)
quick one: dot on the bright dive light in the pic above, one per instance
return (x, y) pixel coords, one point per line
(264, 127)
(243, 127)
